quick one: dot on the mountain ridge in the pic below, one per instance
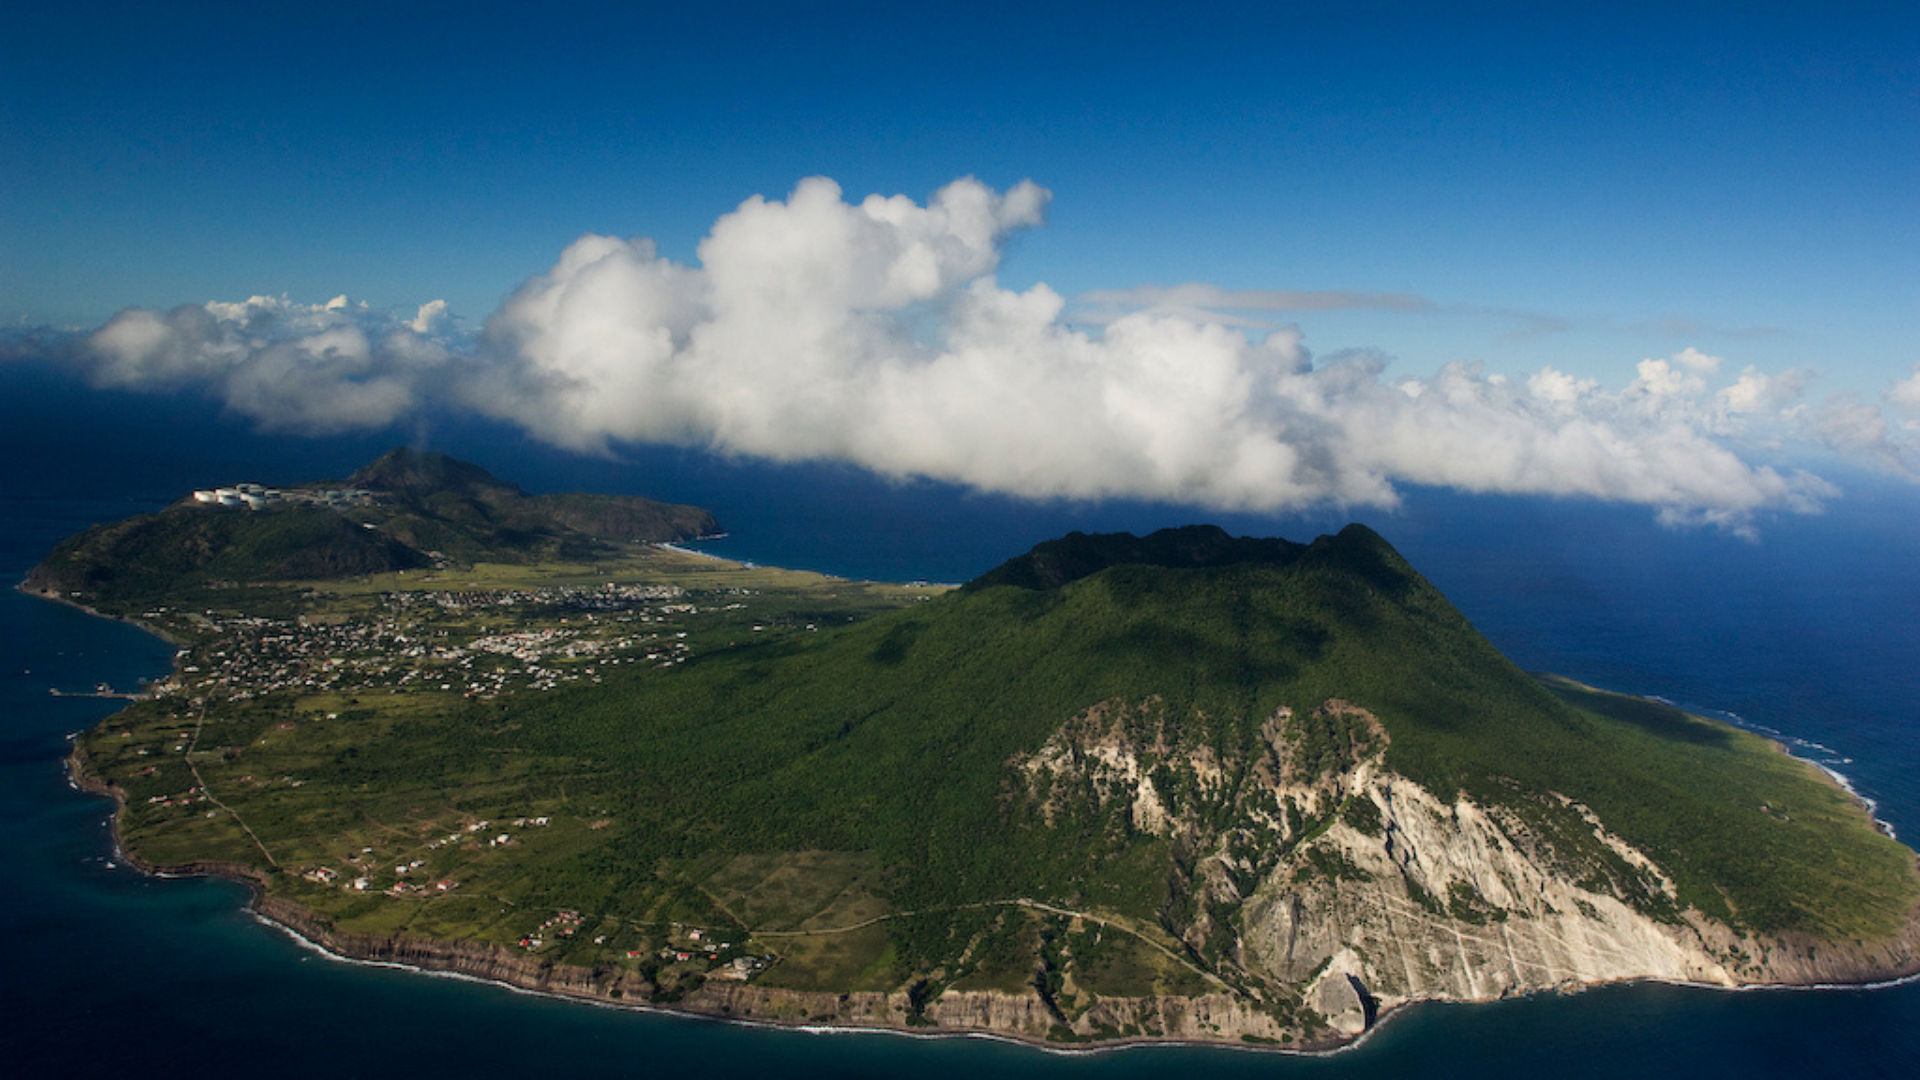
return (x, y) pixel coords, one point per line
(410, 510)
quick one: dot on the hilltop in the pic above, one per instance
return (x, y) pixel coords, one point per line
(407, 510)
(1185, 785)
(1055, 563)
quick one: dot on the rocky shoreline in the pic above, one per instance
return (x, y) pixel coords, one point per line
(1017, 1018)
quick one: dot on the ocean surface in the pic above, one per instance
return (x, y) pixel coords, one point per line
(1812, 631)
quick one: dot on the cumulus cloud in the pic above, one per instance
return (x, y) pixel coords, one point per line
(1857, 430)
(1694, 360)
(315, 368)
(1904, 397)
(1560, 389)
(1757, 392)
(876, 333)
(1665, 379)
(431, 317)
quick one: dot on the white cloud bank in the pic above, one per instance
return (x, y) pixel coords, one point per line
(324, 367)
(875, 333)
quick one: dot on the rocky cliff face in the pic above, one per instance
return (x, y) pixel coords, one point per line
(1445, 902)
(1354, 888)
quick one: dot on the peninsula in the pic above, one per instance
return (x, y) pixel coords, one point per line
(1183, 786)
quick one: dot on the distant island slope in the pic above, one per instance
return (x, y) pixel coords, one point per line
(409, 509)
(1182, 786)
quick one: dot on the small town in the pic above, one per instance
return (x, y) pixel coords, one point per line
(408, 643)
(477, 643)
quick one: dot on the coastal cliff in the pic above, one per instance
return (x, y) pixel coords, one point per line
(1024, 1017)
(1390, 894)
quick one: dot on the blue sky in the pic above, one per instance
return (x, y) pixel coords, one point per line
(1402, 187)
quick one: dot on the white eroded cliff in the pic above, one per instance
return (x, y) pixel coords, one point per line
(1357, 889)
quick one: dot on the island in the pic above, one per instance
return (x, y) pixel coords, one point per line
(1186, 786)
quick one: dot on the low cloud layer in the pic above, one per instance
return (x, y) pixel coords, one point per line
(814, 328)
(319, 368)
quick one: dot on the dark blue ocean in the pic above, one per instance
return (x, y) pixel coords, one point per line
(1811, 630)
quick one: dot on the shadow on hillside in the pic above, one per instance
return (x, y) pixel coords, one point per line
(1654, 717)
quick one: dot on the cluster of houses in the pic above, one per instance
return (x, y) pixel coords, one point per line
(326, 875)
(258, 497)
(739, 967)
(192, 795)
(408, 888)
(700, 947)
(609, 597)
(264, 655)
(483, 826)
(563, 924)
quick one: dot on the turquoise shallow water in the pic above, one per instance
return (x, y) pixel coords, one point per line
(1811, 631)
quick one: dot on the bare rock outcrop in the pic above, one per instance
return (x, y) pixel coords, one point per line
(1352, 889)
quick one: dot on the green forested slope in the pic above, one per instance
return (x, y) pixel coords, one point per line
(895, 736)
(421, 509)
